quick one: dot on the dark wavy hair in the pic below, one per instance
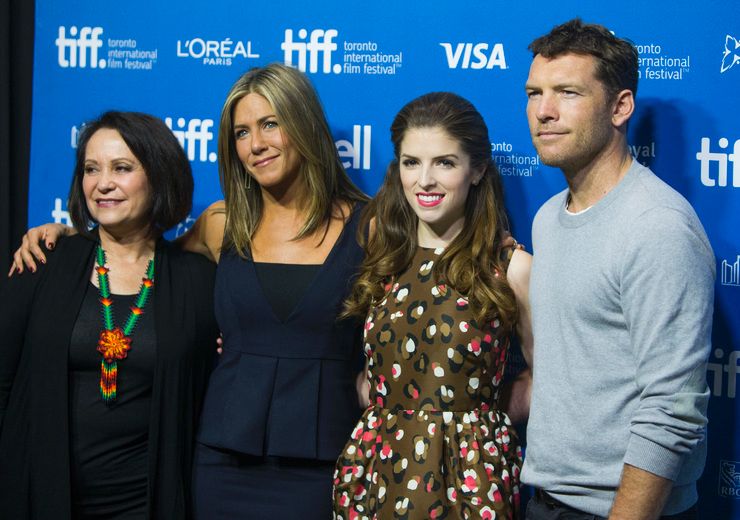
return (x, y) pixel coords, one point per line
(473, 262)
(617, 63)
(164, 161)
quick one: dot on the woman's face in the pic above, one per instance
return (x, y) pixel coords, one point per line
(116, 187)
(436, 176)
(263, 148)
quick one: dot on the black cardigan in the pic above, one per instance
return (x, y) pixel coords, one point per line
(37, 314)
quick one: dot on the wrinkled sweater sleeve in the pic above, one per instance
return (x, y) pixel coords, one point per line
(668, 296)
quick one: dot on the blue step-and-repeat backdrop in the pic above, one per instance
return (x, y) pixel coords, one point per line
(177, 60)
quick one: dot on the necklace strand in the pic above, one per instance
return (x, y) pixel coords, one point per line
(114, 342)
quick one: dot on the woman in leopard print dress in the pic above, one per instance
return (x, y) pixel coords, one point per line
(442, 292)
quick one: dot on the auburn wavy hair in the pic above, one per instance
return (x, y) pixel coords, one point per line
(473, 263)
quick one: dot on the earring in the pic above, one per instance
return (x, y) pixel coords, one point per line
(249, 182)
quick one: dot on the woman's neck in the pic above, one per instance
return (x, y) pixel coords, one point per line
(129, 247)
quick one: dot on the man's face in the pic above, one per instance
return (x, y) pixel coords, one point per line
(569, 112)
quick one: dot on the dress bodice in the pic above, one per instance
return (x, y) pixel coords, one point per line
(285, 387)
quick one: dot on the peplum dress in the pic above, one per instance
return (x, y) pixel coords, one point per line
(433, 443)
(281, 401)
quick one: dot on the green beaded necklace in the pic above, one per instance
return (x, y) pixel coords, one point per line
(114, 342)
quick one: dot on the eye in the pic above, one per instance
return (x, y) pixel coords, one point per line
(446, 163)
(240, 133)
(569, 93)
(89, 170)
(123, 168)
(532, 93)
(409, 163)
(270, 124)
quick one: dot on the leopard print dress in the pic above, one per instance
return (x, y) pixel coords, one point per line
(433, 443)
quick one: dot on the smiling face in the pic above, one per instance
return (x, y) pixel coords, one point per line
(569, 113)
(263, 148)
(116, 187)
(436, 176)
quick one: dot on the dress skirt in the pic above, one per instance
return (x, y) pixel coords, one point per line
(234, 486)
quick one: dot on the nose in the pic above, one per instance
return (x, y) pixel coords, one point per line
(545, 108)
(106, 181)
(426, 177)
(257, 144)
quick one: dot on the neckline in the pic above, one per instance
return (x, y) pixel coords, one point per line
(574, 220)
(319, 272)
(113, 295)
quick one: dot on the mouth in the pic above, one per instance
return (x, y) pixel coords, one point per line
(429, 200)
(264, 162)
(107, 203)
(549, 134)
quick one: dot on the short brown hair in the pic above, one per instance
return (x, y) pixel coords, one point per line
(616, 58)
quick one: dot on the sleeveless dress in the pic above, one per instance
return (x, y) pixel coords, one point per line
(281, 401)
(432, 444)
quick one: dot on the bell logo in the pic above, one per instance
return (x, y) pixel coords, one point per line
(357, 148)
(74, 50)
(474, 55)
(320, 44)
(705, 157)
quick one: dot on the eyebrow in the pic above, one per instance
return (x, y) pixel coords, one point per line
(445, 156)
(259, 121)
(115, 159)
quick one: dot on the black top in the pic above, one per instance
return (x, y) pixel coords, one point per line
(284, 284)
(284, 386)
(37, 315)
(108, 443)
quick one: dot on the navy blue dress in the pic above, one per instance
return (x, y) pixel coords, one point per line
(281, 402)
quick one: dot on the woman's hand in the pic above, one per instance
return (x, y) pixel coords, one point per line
(29, 253)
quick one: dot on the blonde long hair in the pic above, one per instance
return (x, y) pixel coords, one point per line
(301, 117)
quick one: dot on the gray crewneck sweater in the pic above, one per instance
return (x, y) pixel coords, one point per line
(622, 300)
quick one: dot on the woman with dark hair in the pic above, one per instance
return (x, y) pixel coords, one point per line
(441, 292)
(105, 353)
(282, 399)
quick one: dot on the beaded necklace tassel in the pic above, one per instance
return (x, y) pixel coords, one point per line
(114, 342)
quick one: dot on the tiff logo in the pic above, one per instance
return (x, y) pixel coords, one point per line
(474, 55)
(731, 272)
(706, 157)
(59, 215)
(320, 44)
(358, 148)
(719, 370)
(74, 50)
(193, 134)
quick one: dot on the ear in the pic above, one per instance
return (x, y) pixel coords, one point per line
(478, 175)
(623, 107)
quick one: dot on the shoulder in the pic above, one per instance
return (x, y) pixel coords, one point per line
(550, 208)
(517, 274)
(192, 261)
(214, 217)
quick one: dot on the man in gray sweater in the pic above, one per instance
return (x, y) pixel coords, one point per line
(622, 291)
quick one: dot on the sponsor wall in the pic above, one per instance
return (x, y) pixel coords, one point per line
(177, 61)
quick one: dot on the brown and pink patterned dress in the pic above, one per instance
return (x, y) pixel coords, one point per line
(433, 443)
